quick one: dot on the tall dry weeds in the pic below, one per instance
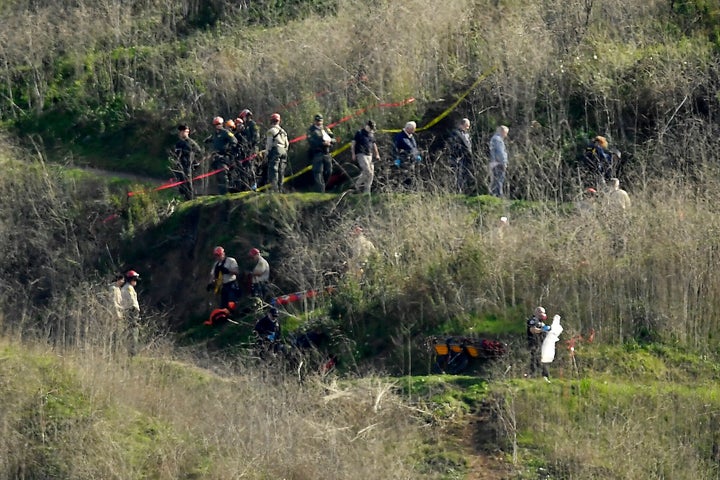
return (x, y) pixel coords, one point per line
(156, 416)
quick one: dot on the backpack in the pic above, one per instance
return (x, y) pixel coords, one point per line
(281, 149)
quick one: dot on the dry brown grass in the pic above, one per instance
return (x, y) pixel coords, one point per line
(157, 416)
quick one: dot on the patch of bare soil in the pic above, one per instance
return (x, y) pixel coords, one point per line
(486, 460)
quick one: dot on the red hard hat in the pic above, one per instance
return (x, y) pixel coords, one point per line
(218, 121)
(239, 121)
(245, 113)
(132, 274)
(218, 251)
(275, 117)
(254, 251)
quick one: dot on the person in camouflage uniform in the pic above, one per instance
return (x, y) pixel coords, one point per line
(320, 140)
(249, 146)
(223, 142)
(186, 160)
(276, 145)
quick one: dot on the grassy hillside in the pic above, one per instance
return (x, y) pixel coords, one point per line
(642, 281)
(104, 84)
(643, 276)
(90, 413)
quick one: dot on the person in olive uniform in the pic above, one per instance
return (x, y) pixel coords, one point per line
(276, 146)
(320, 140)
(187, 159)
(223, 142)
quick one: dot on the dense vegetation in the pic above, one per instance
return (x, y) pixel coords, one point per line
(110, 81)
(104, 83)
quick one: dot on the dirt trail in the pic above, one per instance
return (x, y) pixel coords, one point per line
(128, 176)
(201, 187)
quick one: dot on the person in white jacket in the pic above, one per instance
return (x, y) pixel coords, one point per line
(116, 295)
(547, 351)
(131, 311)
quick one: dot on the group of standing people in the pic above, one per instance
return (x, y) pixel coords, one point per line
(235, 149)
(225, 272)
(461, 158)
(234, 146)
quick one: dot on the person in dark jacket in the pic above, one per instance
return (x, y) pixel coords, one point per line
(461, 155)
(363, 150)
(267, 327)
(250, 133)
(250, 143)
(187, 159)
(599, 160)
(223, 141)
(406, 156)
(320, 141)
(405, 145)
(536, 331)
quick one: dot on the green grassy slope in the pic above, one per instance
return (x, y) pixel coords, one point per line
(89, 415)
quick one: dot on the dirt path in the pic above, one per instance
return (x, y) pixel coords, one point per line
(128, 176)
(201, 187)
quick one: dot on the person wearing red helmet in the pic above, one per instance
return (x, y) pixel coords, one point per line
(536, 331)
(129, 295)
(223, 277)
(260, 273)
(235, 155)
(223, 141)
(276, 146)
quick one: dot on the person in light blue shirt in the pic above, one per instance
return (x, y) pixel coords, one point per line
(498, 161)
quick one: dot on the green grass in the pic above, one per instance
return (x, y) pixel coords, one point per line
(553, 421)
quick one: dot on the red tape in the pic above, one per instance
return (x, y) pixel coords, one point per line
(298, 296)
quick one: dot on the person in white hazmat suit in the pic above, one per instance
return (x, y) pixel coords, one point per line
(547, 351)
